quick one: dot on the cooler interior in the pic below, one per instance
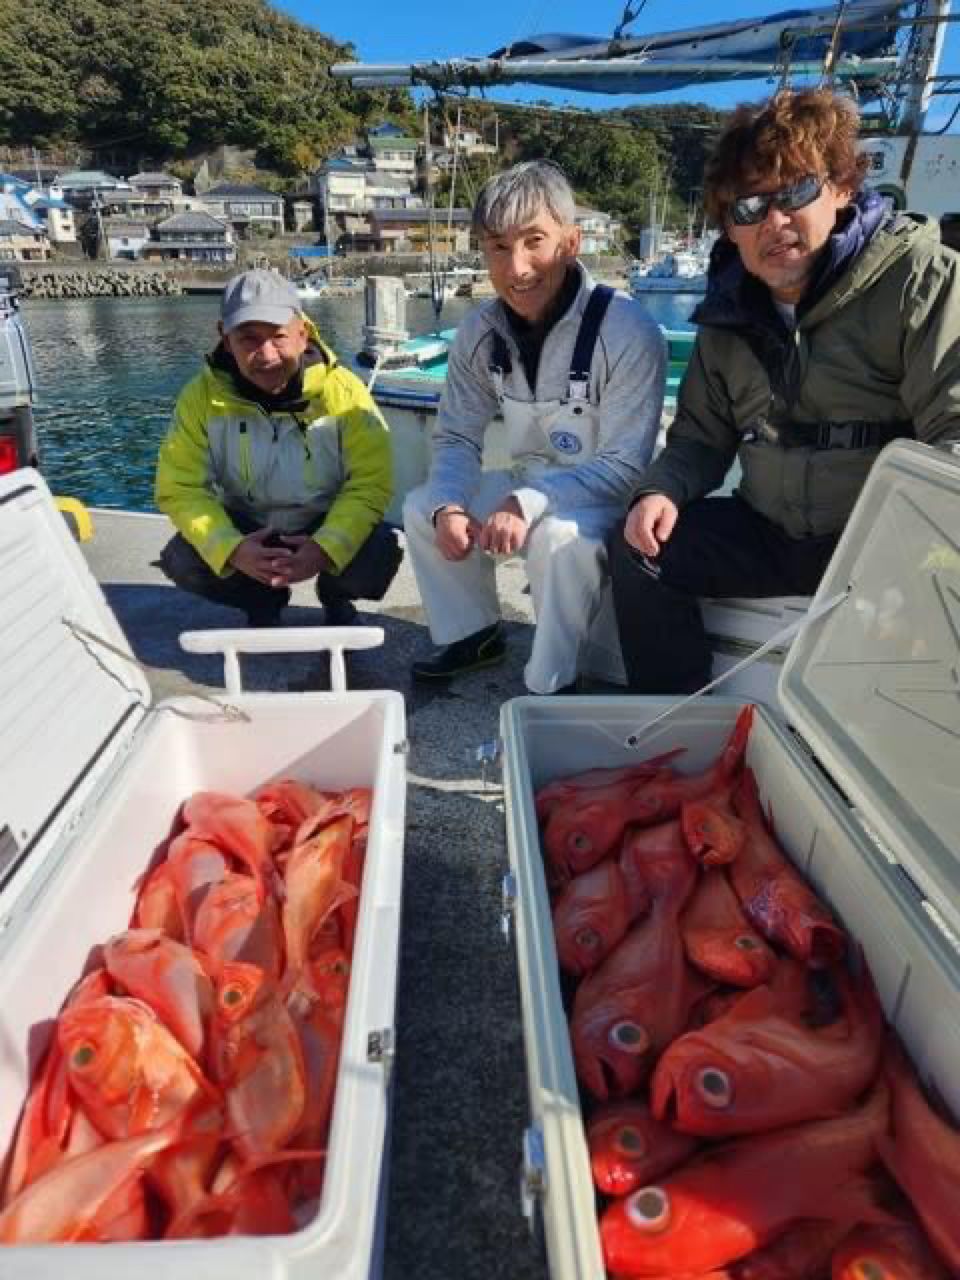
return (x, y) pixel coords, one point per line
(915, 962)
(85, 891)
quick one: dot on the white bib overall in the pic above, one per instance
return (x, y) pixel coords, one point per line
(564, 552)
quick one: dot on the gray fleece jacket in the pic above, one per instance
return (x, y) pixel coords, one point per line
(627, 378)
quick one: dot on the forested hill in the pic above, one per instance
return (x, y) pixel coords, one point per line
(168, 77)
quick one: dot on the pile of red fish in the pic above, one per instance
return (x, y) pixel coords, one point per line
(751, 1115)
(189, 1083)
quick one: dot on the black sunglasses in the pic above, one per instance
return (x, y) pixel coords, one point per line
(747, 211)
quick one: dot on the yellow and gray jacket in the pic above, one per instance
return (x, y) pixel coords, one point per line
(324, 454)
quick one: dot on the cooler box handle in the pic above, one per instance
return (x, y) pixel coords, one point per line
(282, 640)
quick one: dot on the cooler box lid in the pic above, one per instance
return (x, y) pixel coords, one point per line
(67, 702)
(875, 686)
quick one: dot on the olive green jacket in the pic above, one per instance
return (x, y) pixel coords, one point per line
(882, 345)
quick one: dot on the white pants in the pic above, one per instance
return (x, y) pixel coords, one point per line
(566, 567)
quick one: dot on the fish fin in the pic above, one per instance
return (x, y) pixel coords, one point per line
(855, 1202)
(736, 747)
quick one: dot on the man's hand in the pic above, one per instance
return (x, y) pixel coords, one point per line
(650, 523)
(505, 530)
(457, 532)
(306, 559)
(295, 560)
(264, 564)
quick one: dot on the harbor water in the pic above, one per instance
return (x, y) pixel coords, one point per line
(109, 370)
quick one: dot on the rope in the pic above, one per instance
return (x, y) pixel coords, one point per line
(225, 710)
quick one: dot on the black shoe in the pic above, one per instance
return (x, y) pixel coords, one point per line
(339, 613)
(483, 649)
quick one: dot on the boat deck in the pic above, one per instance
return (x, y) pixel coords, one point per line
(460, 1104)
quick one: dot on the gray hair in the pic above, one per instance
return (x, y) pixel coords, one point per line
(513, 198)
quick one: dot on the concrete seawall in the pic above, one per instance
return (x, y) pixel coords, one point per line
(102, 282)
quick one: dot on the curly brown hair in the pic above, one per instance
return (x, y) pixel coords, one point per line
(778, 141)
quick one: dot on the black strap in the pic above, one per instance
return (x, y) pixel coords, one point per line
(500, 353)
(856, 434)
(593, 314)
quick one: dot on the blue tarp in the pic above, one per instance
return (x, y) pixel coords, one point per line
(311, 251)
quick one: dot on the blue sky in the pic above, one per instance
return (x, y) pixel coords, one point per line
(412, 29)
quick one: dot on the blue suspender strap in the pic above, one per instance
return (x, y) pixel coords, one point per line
(580, 363)
(500, 354)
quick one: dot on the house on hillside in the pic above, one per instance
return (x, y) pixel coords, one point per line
(89, 188)
(125, 239)
(23, 237)
(599, 232)
(162, 193)
(248, 209)
(56, 215)
(191, 237)
(413, 230)
(20, 242)
(393, 155)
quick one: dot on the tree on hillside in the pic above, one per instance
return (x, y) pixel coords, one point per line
(172, 76)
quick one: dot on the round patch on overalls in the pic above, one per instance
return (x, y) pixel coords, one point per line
(565, 442)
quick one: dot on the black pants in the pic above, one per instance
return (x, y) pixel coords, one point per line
(366, 577)
(719, 547)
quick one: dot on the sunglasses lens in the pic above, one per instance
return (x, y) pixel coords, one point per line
(750, 209)
(800, 194)
(747, 211)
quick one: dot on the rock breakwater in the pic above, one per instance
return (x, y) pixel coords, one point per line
(39, 282)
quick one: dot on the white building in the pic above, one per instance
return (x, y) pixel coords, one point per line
(125, 239)
(599, 231)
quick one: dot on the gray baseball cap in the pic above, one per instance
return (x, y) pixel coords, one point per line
(262, 296)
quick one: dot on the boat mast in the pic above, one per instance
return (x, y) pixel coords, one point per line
(922, 60)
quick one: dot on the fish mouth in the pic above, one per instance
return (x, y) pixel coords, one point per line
(869, 1269)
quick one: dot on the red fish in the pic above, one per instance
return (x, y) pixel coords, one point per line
(77, 1196)
(590, 917)
(713, 832)
(133, 1075)
(717, 937)
(157, 904)
(775, 897)
(315, 888)
(258, 1061)
(803, 1252)
(49, 1112)
(645, 848)
(194, 867)
(630, 1008)
(898, 1252)
(733, 1200)
(168, 977)
(236, 827)
(923, 1154)
(234, 923)
(349, 911)
(629, 1148)
(583, 829)
(577, 784)
(761, 1067)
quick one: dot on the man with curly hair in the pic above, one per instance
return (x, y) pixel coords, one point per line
(830, 326)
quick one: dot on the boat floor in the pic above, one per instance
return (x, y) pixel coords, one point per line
(460, 1104)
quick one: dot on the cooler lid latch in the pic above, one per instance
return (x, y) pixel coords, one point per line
(382, 1048)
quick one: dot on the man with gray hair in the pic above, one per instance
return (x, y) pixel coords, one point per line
(577, 372)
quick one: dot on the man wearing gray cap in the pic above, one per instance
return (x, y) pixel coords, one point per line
(276, 468)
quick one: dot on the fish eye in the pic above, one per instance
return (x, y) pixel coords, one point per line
(715, 1087)
(587, 938)
(630, 1141)
(630, 1037)
(83, 1055)
(649, 1209)
(232, 996)
(745, 942)
(580, 843)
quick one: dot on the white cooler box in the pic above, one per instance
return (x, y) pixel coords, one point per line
(91, 776)
(865, 798)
